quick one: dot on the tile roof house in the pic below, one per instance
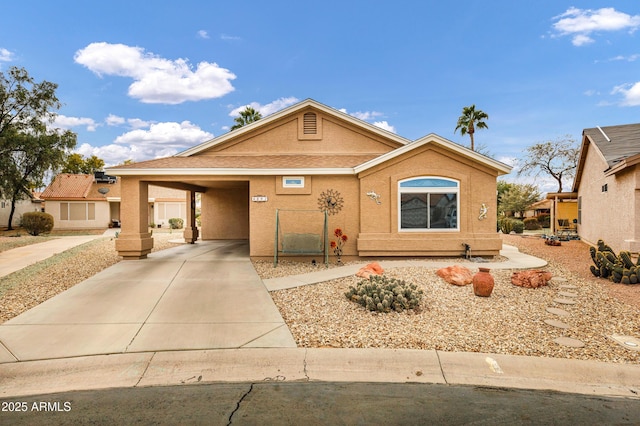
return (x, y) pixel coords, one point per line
(31, 204)
(80, 201)
(607, 185)
(271, 182)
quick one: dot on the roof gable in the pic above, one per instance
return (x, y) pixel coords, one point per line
(286, 115)
(618, 146)
(432, 138)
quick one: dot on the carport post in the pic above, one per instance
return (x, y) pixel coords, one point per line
(190, 228)
(135, 241)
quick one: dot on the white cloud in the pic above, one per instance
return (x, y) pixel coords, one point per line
(157, 80)
(267, 109)
(158, 140)
(203, 34)
(629, 92)
(581, 23)
(64, 122)
(5, 55)
(384, 125)
(134, 123)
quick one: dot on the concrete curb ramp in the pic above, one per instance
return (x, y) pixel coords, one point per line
(329, 365)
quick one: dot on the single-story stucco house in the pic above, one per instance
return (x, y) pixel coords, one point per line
(32, 204)
(607, 186)
(271, 181)
(81, 201)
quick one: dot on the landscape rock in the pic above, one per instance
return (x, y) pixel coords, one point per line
(373, 268)
(530, 279)
(456, 275)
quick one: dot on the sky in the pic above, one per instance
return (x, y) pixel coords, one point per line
(146, 79)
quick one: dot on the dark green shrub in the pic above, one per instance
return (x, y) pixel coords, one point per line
(544, 219)
(176, 223)
(383, 294)
(36, 223)
(531, 223)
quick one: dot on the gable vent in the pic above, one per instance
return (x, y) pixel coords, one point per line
(309, 124)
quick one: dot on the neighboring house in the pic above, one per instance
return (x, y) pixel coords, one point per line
(391, 196)
(607, 186)
(564, 211)
(538, 208)
(79, 201)
(33, 204)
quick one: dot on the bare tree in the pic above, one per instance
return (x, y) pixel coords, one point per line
(558, 159)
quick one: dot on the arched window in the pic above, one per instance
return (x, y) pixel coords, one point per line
(428, 203)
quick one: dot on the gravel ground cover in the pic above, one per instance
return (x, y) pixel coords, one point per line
(31, 286)
(451, 318)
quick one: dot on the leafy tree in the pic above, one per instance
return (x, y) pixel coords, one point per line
(32, 156)
(518, 197)
(76, 164)
(470, 120)
(249, 115)
(503, 186)
(558, 159)
(28, 149)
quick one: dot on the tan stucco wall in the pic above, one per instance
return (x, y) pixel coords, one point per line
(263, 214)
(22, 206)
(282, 137)
(225, 214)
(379, 223)
(611, 216)
(102, 215)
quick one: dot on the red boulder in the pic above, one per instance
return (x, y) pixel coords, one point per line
(456, 275)
(530, 279)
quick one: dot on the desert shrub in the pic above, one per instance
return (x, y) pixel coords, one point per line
(383, 294)
(36, 223)
(531, 223)
(176, 223)
(508, 224)
(544, 219)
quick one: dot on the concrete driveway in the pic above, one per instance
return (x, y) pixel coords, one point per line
(195, 296)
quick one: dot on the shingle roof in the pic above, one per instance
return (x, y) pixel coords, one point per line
(616, 142)
(294, 161)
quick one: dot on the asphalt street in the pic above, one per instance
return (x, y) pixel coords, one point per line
(318, 403)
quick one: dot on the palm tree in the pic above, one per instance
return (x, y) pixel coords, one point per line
(470, 120)
(249, 115)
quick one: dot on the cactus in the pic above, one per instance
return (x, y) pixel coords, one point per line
(617, 268)
(383, 294)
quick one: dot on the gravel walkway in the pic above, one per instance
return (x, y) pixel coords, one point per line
(451, 318)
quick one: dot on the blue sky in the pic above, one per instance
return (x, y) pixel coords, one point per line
(141, 80)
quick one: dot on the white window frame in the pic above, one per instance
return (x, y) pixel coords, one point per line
(429, 190)
(288, 181)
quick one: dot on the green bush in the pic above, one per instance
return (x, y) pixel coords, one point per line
(508, 224)
(36, 223)
(383, 294)
(544, 219)
(531, 223)
(176, 223)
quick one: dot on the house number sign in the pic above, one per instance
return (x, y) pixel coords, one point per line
(259, 198)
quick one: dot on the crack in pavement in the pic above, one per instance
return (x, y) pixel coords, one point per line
(238, 404)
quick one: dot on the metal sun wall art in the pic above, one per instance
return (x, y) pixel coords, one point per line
(330, 201)
(483, 211)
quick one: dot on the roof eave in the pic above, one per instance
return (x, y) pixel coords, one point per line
(231, 172)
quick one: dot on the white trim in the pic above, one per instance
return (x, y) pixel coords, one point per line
(284, 112)
(230, 172)
(286, 184)
(433, 138)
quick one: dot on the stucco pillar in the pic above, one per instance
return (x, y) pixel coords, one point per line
(135, 241)
(190, 228)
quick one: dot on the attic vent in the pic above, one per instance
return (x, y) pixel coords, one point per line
(309, 124)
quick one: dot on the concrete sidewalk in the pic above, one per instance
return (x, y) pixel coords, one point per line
(19, 258)
(329, 365)
(515, 260)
